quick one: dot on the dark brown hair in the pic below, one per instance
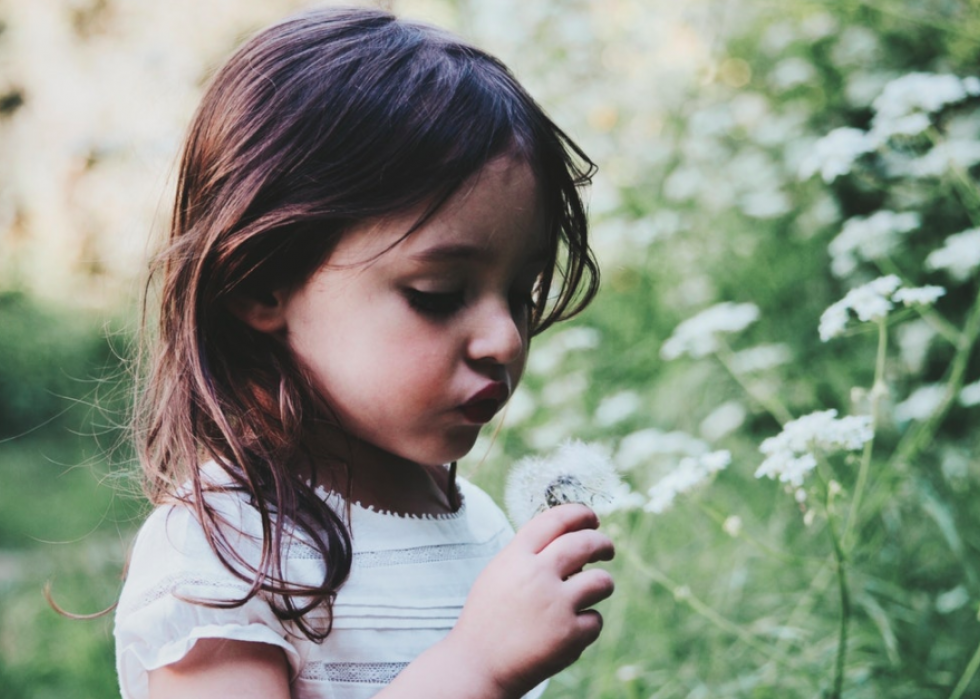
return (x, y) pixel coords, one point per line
(326, 119)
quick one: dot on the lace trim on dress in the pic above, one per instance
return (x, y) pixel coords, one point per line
(354, 673)
(169, 585)
(428, 554)
(456, 514)
(416, 554)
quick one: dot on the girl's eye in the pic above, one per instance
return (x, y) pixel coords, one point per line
(435, 304)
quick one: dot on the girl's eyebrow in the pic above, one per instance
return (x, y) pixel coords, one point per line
(463, 251)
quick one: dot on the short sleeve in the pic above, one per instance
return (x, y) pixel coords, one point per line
(173, 573)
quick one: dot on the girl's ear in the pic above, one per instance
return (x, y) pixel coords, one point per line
(263, 311)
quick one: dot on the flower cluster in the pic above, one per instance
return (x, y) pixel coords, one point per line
(901, 109)
(576, 472)
(910, 98)
(869, 238)
(698, 336)
(791, 454)
(959, 255)
(691, 472)
(873, 301)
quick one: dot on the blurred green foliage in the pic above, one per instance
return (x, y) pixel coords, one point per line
(697, 612)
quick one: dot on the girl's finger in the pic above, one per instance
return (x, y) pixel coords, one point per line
(589, 624)
(570, 552)
(589, 587)
(550, 524)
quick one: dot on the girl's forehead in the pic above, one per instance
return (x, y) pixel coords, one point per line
(498, 211)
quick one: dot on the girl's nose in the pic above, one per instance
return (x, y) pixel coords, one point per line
(497, 337)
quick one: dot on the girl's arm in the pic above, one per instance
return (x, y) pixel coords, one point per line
(527, 617)
(216, 667)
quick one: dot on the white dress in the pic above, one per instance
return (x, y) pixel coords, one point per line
(408, 582)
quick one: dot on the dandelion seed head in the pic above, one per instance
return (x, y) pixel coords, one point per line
(698, 336)
(575, 472)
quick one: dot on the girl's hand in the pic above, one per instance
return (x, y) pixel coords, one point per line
(528, 615)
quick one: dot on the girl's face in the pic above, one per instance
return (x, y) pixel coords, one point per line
(416, 348)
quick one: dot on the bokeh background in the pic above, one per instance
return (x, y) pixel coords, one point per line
(705, 118)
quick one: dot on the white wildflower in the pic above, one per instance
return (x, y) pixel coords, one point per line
(627, 673)
(919, 93)
(919, 295)
(769, 203)
(723, 420)
(954, 153)
(698, 336)
(834, 154)
(520, 407)
(617, 407)
(638, 447)
(909, 125)
(951, 600)
(732, 526)
(760, 358)
(791, 72)
(870, 301)
(921, 404)
(576, 472)
(959, 256)
(791, 454)
(562, 390)
(548, 356)
(869, 238)
(970, 395)
(690, 473)
(914, 339)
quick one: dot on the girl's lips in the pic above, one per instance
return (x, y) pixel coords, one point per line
(484, 404)
(480, 412)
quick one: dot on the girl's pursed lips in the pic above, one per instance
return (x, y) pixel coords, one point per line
(484, 404)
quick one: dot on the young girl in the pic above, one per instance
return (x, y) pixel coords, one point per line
(372, 219)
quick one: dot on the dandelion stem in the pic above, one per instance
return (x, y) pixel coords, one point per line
(877, 391)
(845, 609)
(968, 673)
(772, 405)
(682, 593)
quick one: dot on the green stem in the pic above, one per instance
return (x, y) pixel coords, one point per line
(684, 594)
(922, 434)
(771, 405)
(878, 389)
(968, 673)
(936, 321)
(845, 611)
(758, 543)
